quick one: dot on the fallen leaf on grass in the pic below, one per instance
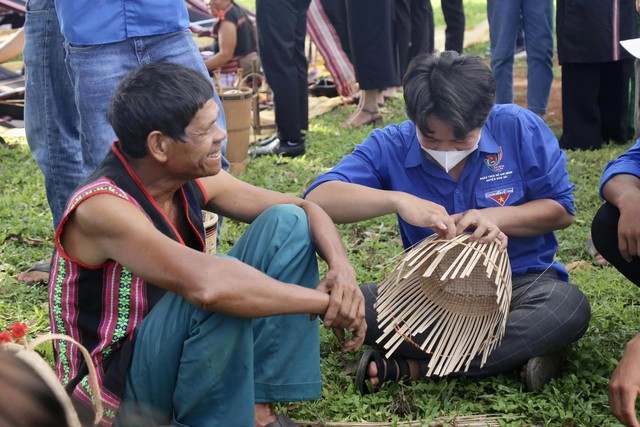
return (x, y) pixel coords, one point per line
(578, 266)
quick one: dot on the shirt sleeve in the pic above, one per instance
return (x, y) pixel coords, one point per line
(628, 163)
(544, 163)
(364, 166)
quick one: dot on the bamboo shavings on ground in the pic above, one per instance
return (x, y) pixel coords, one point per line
(456, 292)
(454, 421)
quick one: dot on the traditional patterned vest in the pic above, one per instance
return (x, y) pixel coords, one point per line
(101, 306)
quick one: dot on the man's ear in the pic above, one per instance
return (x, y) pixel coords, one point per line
(157, 145)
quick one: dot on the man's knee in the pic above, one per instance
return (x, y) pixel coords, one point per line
(576, 313)
(287, 215)
(604, 228)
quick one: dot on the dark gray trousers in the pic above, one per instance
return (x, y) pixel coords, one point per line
(544, 317)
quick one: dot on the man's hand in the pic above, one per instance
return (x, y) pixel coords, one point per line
(423, 213)
(486, 231)
(625, 385)
(346, 306)
(629, 228)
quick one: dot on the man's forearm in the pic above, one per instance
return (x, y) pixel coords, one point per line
(622, 189)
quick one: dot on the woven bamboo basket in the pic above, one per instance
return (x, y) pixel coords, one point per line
(210, 221)
(27, 354)
(456, 291)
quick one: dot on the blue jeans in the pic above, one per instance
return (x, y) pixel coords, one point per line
(96, 70)
(202, 368)
(537, 22)
(51, 119)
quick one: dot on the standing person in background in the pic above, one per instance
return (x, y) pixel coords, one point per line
(107, 40)
(537, 23)
(414, 30)
(595, 70)
(373, 53)
(453, 11)
(50, 116)
(282, 27)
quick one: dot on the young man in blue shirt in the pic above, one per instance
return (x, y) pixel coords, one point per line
(460, 163)
(616, 235)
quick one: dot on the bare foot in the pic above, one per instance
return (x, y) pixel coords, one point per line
(37, 273)
(264, 414)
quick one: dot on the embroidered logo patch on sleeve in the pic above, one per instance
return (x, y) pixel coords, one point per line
(499, 196)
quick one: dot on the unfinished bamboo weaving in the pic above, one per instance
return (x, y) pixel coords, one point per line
(458, 291)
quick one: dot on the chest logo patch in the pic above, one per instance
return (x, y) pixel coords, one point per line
(493, 161)
(499, 196)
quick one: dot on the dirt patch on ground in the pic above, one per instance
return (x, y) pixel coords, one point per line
(554, 108)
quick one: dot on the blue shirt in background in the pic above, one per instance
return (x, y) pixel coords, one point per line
(628, 163)
(518, 160)
(85, 22)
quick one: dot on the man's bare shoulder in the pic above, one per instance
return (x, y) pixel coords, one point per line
(101, 218)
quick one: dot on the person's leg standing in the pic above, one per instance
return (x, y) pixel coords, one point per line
(51, 119)
(580, 109)
(336, 11)
(422, 28)
(453, 12)
(287, 347)
(537, 21)
(403, 33)
(503, 16)
(277, 22)
(614, 100)
(302, 67)
(97, 70)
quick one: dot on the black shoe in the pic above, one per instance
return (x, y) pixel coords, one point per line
(540, 370)
(266, 141)
(286, 148)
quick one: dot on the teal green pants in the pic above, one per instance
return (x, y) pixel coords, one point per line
(197, 368)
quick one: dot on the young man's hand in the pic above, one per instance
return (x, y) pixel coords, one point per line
(485, 231)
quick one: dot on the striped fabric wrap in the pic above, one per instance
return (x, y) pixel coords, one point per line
(324, 36)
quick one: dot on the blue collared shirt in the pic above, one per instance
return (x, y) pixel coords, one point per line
(628, 163)
(92, 22)
(518, 160)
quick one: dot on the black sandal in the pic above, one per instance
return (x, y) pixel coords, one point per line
(395, 369)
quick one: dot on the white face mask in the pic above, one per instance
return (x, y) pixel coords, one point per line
(449, 159)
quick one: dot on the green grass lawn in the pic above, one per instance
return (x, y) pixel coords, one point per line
(577, 398)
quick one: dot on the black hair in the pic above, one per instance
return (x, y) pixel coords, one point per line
(156, 97)
(456, 89)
